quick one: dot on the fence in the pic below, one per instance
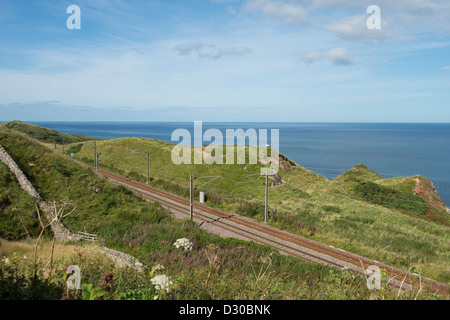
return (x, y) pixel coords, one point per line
(88, 236)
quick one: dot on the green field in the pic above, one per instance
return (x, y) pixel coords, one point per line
(359, 212)
(44, 134)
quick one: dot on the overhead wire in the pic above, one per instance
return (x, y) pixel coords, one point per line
(247, 176)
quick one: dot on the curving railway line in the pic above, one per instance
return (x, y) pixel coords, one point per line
(244, 228)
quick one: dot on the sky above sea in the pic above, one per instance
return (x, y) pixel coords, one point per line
(225, 60)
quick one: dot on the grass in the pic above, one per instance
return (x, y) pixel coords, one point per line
(44, 134)
(62, 255)
(218, 268)
(359, 211)
(17, 213)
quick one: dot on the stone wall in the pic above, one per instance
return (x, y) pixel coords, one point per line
(60, 231)
(121, 259)
(20, 176)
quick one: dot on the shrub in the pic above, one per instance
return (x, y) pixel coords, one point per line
(390, 198)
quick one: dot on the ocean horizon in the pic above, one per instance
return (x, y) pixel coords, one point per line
(329, 149)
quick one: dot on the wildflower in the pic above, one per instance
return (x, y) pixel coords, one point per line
(265, 260)
(162, 282)
(108, 279)
(183, 243)
(158, 267)
(5, 260)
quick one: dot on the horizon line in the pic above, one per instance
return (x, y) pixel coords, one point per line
(166, 121)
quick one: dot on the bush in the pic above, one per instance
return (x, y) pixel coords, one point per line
(390, 198)
(74, 149)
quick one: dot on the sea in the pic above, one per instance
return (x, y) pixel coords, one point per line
(329, 149)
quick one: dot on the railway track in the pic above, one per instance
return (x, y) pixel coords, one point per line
(285, 242)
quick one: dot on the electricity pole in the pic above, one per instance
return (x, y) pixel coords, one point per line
(191, 196)
(96, 162)
(148, 166)
(266, 207)
(95, 154)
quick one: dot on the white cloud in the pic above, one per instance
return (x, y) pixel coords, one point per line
(354, 28)
(311, 57)
(401, 20)
(212, 54)
(409, 16)
(337, 56)
(420, 6)
(208, 51)
(283, 11)
(340, 57)
(340, 4)
(236, 51)
(186, 49)
(445, 68)
(223, 1)
(231, 11)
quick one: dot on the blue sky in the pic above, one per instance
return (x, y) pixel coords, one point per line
(225, 60)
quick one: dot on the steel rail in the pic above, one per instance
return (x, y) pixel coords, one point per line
(315, 250)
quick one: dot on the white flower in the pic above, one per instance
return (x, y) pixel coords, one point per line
(162, 282)
(183, 243)
(5, 260)
(158, 267)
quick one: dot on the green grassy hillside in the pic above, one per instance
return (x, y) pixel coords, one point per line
(44, 134)
(358, 211)
(305, 203)
(17, 213)
(216, 268)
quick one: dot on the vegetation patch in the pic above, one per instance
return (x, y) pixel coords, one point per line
(219, 268)
(388, 197)
(45, 134)
(359, 173)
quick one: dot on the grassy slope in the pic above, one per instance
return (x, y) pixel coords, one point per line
(362, 213)
(144, 229)
(358, 211)
(44, 134)
(17, 213)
